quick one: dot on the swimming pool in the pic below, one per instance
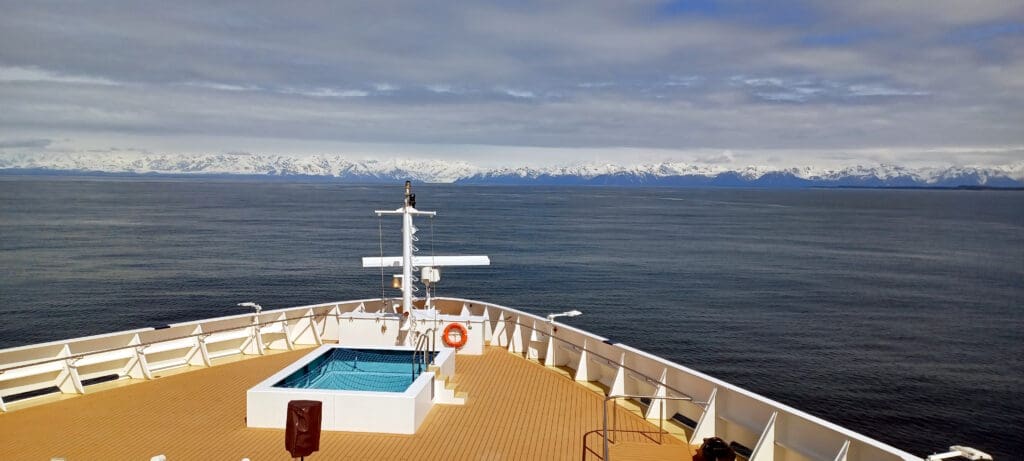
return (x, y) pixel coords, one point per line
(379, 370)
(362, 389)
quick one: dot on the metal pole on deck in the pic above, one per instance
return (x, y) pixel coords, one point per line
(605, 416)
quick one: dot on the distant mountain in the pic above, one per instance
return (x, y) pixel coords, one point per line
(687, 175)
(245, 164)
(337, 167)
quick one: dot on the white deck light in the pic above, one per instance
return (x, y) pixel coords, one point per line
(572, 313)
(252, 305)
(958, 451)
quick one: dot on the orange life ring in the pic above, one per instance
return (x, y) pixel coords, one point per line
(463, 335)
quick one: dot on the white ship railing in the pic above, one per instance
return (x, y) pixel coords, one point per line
(774, 430)
(770, 429)
(69, 366)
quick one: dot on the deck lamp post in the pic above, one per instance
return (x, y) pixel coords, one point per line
(957, 451)
(552, 329)
(572, 313)
(551, 319)
(252, 305)
(255, 324)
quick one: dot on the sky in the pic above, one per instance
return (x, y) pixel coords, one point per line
(512, 83)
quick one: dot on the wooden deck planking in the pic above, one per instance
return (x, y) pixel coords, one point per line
(516, 409)
(639, 451)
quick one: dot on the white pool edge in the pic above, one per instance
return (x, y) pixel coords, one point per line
(347, 410)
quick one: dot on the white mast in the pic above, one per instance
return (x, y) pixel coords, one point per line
(407, 261)
(407, 253)
(407, 211)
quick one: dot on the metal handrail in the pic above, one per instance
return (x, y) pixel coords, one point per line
(150, 343)
(425, 341)
(661, 419)
(649, 379)
(430, 333)
(259, 324)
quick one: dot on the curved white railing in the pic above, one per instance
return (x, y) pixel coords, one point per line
(772, 430)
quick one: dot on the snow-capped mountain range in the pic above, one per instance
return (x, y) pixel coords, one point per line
(441, 171)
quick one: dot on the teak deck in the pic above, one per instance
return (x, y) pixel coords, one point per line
(515, 410)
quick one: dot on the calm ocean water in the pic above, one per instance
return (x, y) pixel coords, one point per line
(896, 313)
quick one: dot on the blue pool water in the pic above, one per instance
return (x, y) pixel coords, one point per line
(356, 370)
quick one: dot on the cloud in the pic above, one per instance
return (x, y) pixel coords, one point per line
(801, 90)
(725, 156)
(686, 81)
(442, 89)
(35, 75)
(928, 13)
(326, 92)
(882, 90)
(570, 76)
(24, 143)
(222, 86)
(521, 94)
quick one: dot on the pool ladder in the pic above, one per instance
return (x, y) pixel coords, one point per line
(421, 354)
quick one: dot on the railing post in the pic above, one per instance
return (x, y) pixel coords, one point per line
(765, 447)
(140, 354)
(313, 324)
(76, 380)
(661, 424)
(706, 425)
(615, 415)
(258, 336)
(204, 353)
(604, 411)
(287, 334)
(843, 451)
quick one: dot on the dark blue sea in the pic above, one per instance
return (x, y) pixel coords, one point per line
(896, 313)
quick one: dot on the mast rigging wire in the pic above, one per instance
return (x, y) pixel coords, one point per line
(380, 241)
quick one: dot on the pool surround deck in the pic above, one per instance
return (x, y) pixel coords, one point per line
(516, 409)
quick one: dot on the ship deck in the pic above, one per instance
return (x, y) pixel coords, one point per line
(516, 409)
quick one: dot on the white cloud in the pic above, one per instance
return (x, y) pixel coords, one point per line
(441, 89)
(687, 81)
(521, 94)
(326, 92)
(222, 86)
(759, 82)
(882, 90)
(32, 74)
(726, 156)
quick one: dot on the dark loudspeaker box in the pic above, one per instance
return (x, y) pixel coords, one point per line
(302, 431)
